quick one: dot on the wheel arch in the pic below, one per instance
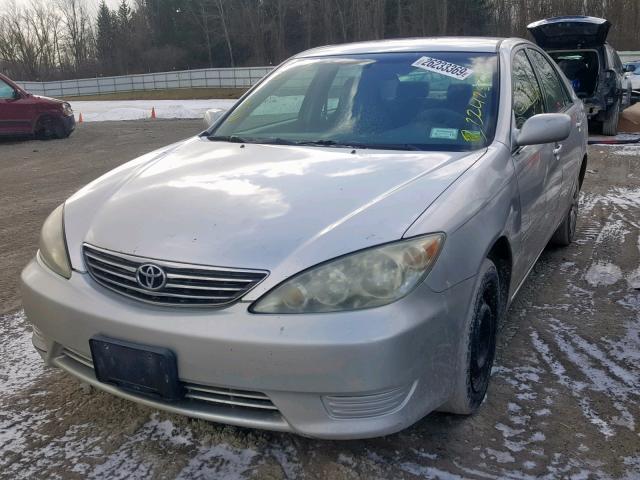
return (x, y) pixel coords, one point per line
(501, 254)
(37, 122)
(53, 117)
(583, 171)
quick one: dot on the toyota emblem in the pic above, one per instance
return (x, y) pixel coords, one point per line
(151, 277)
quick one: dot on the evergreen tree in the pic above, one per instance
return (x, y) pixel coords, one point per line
(105, 39)
(123, 29)
(124, 16)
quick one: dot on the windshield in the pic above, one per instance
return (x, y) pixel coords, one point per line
(407, 101)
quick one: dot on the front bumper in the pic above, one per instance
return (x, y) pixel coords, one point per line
(69, 123)
(346, 375)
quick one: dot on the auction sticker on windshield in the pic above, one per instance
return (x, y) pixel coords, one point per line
(442, 67)
(444, 133)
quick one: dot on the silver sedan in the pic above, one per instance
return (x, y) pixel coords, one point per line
(333, 256)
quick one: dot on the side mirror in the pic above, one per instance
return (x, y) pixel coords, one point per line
(17, 95)
(212, 115)
(544, 128)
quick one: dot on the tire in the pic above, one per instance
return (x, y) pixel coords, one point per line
(610, 123)
(50, 127)
(594, 126)
(478, 346)
(566, 232)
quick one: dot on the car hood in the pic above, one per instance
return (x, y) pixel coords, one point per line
(54, 101)
(257, 206)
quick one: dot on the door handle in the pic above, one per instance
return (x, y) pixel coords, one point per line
(557, 150)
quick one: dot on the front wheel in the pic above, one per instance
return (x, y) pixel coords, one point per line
(479, 344)
(50, 127)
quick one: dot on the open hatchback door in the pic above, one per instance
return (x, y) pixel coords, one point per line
(579, 46)
(570, 32)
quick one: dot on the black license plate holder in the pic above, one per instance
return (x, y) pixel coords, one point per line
(141, 369)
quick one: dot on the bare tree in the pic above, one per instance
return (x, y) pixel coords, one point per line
(55, 38)
(78, 37)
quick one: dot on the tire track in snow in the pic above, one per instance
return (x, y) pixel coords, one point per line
(575, 387)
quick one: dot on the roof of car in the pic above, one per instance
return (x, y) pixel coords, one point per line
(443, 44)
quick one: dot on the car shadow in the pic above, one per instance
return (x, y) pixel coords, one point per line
(16, 140)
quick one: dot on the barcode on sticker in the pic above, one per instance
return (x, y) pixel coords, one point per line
(442, 67)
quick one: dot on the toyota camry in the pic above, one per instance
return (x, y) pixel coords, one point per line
(334, 254)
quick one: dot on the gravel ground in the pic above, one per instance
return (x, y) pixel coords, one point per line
(564, 400)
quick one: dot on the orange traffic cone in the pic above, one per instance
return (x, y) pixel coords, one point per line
(80, 120)
(153, 113)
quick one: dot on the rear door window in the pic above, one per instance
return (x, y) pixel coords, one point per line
(556, 97)
(527, 96)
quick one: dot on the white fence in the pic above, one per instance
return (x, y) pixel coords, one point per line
(202, 78)
(629, 56)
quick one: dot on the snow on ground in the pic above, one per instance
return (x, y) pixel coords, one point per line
(28, 443)
(603, 273)
(621, 138)
(20, 364)
(115, 110)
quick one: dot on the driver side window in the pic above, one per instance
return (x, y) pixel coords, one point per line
(6, 91)
(527, 97)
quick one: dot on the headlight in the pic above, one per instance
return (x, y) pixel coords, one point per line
(53, 248)
(67, 111)
(365, 279)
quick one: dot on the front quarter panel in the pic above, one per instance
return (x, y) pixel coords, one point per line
(473, 212)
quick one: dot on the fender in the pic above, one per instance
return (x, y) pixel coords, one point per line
(480, 207)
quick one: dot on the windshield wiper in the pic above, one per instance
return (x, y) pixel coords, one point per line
(319, 143)
(392, 146)
(326, 143)
(373, 146)
(280, 141)
(227, 138)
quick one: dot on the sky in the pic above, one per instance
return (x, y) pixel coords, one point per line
(92, 5)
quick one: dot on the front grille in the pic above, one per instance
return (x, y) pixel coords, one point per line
(202, 394)
(228, 396)
(186, 284)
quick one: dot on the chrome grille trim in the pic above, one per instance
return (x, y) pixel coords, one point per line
(172, 276)
(188, 285)
(230, 400)
(219, 396)
(221, 391)
(108, 262)
(198, 287)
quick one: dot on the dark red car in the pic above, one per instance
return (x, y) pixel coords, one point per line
(22, 113)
